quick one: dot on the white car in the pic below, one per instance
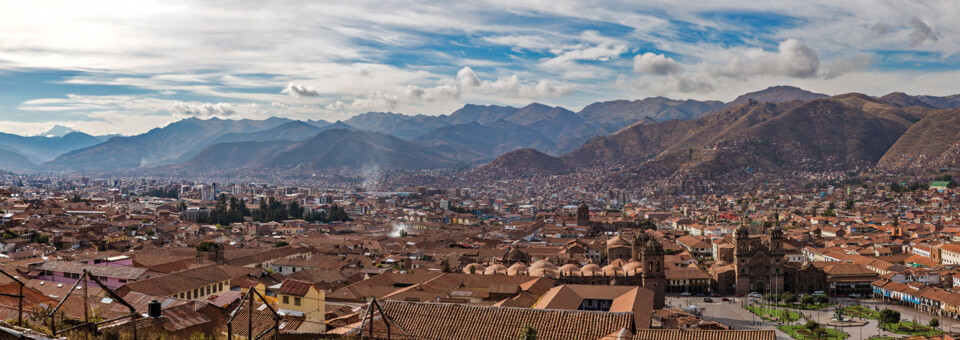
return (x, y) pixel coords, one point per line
(685, 294)
(755, 295)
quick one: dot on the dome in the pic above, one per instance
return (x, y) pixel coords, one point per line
(617, 241)
(612, 270)
(591, 270)
(543, 264)
(544, 272)
(495, 269)
(518, 269)
(477, 269)
(633, 267)
(569, 269)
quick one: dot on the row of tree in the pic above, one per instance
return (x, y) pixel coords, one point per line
(172, 192)
(232, 210)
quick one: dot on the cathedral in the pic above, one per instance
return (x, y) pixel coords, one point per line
(638, 263)
(629, 263)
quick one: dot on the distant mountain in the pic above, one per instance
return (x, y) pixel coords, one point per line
(57, 131)
(473, 142)
(777, 94)
(565, 128)
(620, 113)
(41, 149)
(836, 133)
(945, 102)
(12, 160)
(901, 99)
(400, 125)
(158, 146)
(483, 114)
(292, 131)
(529, 160)
(357, 150)
(930, 144)
(234, 155)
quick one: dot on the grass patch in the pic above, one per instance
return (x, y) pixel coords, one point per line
(861, 312)
(911, 328)
(805, 306)
(774, 315)
(800, 332)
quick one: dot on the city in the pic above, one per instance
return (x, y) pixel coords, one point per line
(436, 170)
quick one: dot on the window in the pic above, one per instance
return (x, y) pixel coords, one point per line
(220, 286)
(286, 299)
(123, 280)
(296, 301)
(208, 289)
(195, 293)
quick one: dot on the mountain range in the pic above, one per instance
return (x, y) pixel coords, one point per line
(779, 128)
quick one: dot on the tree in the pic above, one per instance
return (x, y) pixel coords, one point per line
(403, 233)
(934, 323)
(281, 244)
(807, 300)
(823, 299)
(528, 333)
(788, 297)
(445, 266)
(889, 316)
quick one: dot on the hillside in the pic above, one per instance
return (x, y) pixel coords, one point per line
(837, 133)
(528, 159)
(930, 144)
(357, 150)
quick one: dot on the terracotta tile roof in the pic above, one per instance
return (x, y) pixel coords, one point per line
(294, 287)
(675, 334)
(452, 321)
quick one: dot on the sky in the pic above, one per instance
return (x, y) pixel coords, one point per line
(125, 67)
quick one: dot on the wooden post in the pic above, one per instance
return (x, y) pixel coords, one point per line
(86, 304)
(250, 318)
(20, 308)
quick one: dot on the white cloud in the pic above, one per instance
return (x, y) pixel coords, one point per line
(656, 64)
(300, 90)
(792, 58)
(181, 110)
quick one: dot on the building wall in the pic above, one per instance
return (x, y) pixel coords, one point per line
(312, 305)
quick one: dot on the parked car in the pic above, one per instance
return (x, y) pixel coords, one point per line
(724, 299)
(855, 295)
(755, 295)
(739, 294)
(685, 294)
(819, 293)
(706, 299)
